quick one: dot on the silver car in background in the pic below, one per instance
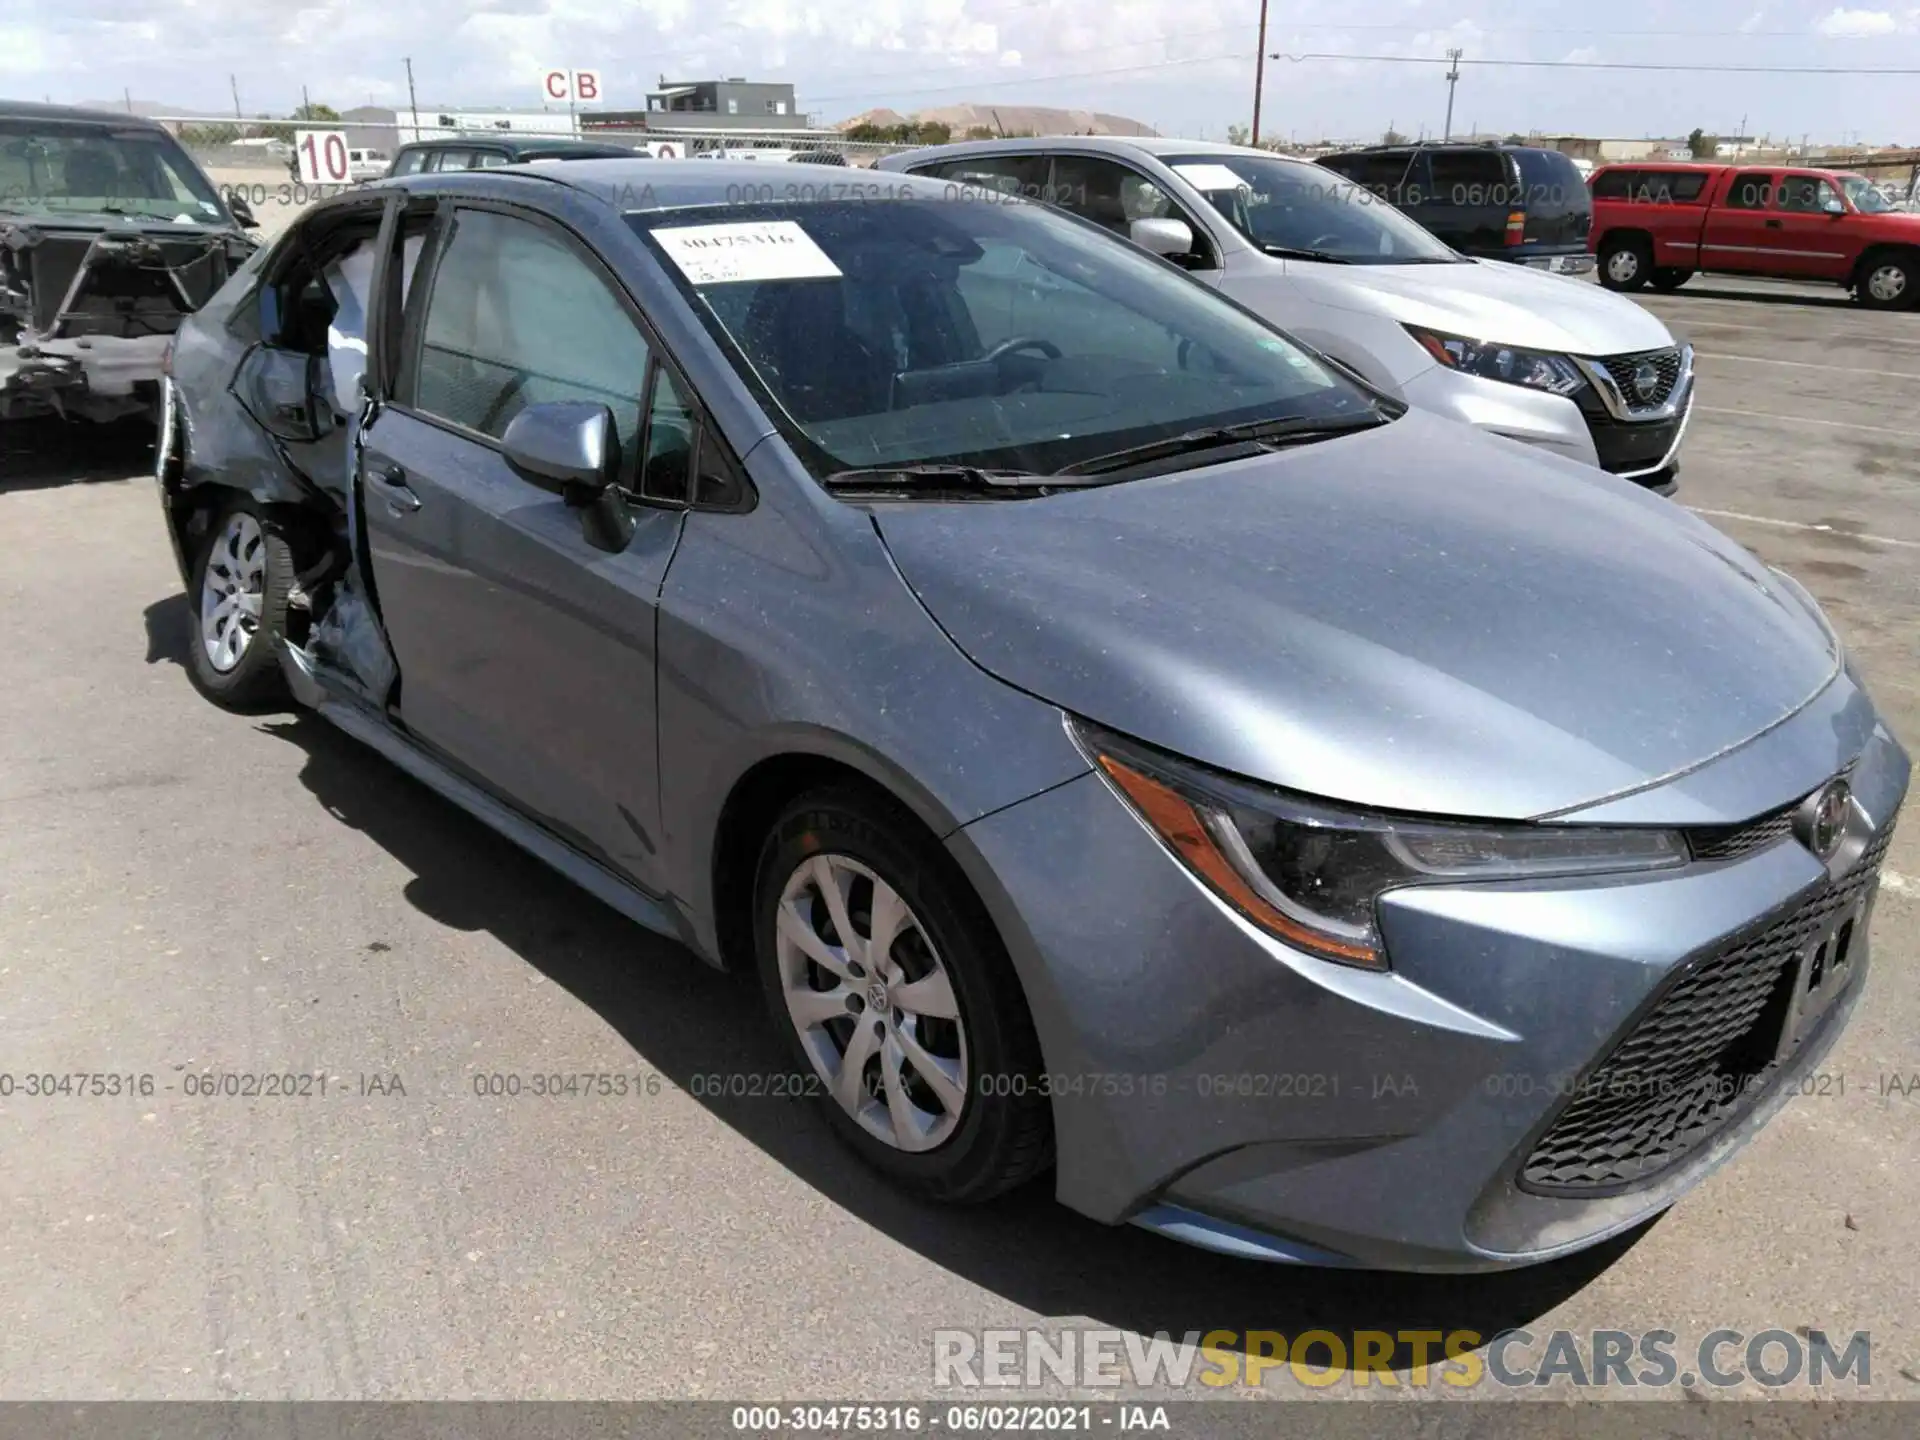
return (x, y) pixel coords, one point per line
(1520, 353)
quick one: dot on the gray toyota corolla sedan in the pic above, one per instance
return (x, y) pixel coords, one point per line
(1120, 742)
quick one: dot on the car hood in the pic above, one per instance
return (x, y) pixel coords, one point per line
(1489, 300)
(1415, 618)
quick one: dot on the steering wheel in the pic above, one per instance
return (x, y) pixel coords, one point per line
(500, 402)
(1015, 343)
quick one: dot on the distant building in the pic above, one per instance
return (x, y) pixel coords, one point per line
(732, 104)
(375, 127)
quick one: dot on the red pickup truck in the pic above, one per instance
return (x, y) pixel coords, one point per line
(1659, 224)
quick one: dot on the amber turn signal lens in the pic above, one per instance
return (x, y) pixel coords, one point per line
(1173, 818)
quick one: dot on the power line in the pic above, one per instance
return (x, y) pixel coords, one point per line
(1239, 58)
(1607, 65)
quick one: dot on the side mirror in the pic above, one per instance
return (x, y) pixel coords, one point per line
(569, 448)
(1162, 237)
(242, 212)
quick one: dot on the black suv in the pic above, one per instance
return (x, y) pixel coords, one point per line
(483, 152)
(1498, 202)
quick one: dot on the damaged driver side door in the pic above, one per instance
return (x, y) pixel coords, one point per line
(526, 651)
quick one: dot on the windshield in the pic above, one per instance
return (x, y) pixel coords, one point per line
(1865, 195)
(975, 331)
(50, 168)
(1287, 206)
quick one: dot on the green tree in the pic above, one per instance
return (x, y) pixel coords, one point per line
(1701, 144)
(1239, 134)
(1393, 137)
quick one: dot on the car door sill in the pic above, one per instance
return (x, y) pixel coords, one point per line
(352, 715)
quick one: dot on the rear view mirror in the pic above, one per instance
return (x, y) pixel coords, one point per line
(570, 449)
(1162, 237)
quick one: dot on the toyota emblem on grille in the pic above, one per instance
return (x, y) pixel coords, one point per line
(1821, 823)
(1646, 380)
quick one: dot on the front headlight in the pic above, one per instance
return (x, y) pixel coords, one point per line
(1535, 369)
(1310, 873)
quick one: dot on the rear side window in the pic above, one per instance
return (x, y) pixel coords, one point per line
(1651, 187)
(518, 317)
(1751, 190)
(410, 162)
(1009, 174)
(488, 159)
(1400, 179)
(1467, 177)
(1615, 184)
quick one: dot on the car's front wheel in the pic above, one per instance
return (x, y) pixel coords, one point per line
(241, 580)
(883, 971)
(1888, 282)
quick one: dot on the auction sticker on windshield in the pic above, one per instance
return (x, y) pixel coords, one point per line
(770, 250)
(1210, 177)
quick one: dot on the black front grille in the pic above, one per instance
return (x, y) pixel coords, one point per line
(1631, 448)
(1701, 1054)
(1626, 372)
(1733, 842)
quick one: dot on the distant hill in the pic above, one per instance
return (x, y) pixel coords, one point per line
(1007, 119)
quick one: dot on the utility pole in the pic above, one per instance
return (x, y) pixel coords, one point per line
(233, 84)
(412, 102)
(1453, 78)
(128, 92)
(1259, 71)
(306, 105)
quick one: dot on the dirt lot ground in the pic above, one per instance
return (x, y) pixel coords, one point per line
(183, 890)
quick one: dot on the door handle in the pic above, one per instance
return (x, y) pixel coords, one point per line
(1775, 225)
(393, 481)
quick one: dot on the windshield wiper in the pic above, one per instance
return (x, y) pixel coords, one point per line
(1300, 252)
(1254, 437)
(905, 478)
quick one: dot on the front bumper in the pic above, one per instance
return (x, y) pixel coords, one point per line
(95, 377)
(1209, 1082)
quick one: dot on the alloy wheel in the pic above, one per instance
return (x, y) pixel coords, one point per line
(1623, 265)
(872, 1002)
(1887, 283)
(232, 589)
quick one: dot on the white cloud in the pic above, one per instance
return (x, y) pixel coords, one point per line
(1857, 24)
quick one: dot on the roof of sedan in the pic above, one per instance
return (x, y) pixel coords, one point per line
(643, 183)
(1157, 145)
(33, 110)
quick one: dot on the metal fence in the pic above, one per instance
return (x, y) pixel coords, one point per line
(224, 142)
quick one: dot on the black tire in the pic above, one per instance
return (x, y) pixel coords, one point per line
(1871, 289)
(1626, 264)
(1001, 1140)
(254, 681)
(1667, 277)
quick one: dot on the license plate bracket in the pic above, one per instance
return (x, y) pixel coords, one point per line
(1822, 972)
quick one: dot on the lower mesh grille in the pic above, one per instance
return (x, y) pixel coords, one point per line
(1703, 1054)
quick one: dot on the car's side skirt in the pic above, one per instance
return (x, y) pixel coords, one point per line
(376, 732)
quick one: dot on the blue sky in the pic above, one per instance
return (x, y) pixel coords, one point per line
(1086, 53)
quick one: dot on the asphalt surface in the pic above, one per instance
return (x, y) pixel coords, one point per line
(184, 891)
